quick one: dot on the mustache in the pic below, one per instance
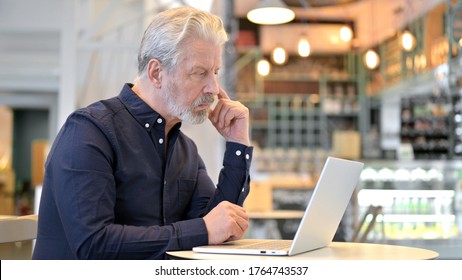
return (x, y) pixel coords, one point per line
(206, 99)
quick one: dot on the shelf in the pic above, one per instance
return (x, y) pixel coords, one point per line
(299, 120)
(372, 193)
(291, 98)
(426, 123)
(423, 118)
(417, 218)
(440, 165)
(292, 77)
(288, 121)
(410, 213)
(427, 133)
(342, 115)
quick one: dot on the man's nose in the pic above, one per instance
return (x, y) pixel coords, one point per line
(212, 85)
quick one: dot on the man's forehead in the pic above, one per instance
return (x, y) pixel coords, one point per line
(192, 61)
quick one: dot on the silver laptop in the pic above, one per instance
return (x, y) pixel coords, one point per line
(320, 221)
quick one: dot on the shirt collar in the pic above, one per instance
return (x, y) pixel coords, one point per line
(141, 111)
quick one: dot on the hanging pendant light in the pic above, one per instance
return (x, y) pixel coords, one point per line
(371, 59)
(407, 41)
(263, 67)
(279, 55)
(271, 12)
(346, 33)
(304, 47)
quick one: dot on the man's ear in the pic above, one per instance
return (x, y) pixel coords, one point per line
(153, 71)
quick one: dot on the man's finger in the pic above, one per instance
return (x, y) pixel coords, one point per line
(222, 94)
(242, 223)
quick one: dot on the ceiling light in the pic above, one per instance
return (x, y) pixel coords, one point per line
(346, 33)
(304, 48)
(263, 67)
(407, 41)
(271, 12)
(279, 55)
(314, 98)
(423, 61)
(371, 59)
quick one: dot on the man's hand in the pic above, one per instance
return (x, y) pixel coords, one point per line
(231, 119)
(225, 222)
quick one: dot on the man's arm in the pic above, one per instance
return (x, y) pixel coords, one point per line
(231, 119)
(229, 221)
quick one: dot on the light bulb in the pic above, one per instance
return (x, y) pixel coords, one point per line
(346, 33)
(423, 61)
(407, 41)
(304, 48)
(371, 59)
(279, 55)
(263, 67)
(271, 12)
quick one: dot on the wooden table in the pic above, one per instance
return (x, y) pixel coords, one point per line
(335, 251)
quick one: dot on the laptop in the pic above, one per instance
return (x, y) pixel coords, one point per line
(320, 220)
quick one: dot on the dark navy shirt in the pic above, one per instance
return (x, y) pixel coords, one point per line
(112, 190)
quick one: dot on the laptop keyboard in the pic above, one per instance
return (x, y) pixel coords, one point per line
(269, 245)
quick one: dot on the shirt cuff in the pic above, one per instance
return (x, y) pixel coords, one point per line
(193, 233)
(238, 155)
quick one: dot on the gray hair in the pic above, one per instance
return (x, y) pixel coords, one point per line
(165, 34)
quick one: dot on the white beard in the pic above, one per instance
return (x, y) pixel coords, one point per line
(188, 114)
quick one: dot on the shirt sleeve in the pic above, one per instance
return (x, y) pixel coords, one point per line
(234, 179)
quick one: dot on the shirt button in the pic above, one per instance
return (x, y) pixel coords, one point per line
(243, 189)
(247, 156)
(238, 153)
(159, 120)
(146, 125)
(161, 141)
